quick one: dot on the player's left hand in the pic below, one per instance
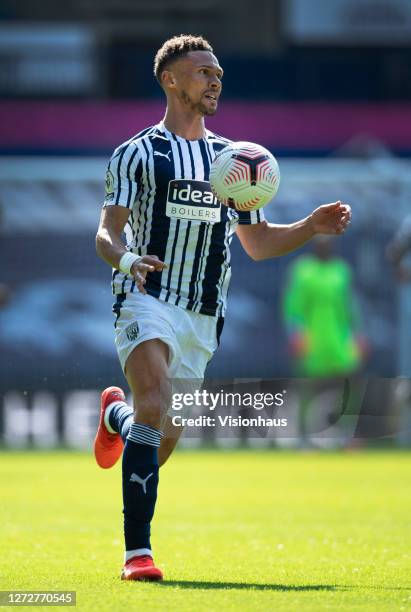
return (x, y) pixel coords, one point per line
(331, 218)
(140, 269)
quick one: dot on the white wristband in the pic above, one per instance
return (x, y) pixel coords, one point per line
(127, 261)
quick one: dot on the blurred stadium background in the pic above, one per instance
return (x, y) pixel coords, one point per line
(326, 86)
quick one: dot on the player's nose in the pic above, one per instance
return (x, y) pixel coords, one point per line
(215, 83)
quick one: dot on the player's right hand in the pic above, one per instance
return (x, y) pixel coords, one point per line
(149, 263)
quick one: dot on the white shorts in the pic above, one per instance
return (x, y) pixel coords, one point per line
(192, 338)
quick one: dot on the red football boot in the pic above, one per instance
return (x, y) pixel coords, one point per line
(107, 446)
(141, 568)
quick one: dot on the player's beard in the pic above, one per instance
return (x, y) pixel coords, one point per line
(197, 107)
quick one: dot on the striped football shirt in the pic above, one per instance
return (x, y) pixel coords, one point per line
(163, 180)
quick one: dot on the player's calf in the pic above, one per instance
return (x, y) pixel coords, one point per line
(150, 407)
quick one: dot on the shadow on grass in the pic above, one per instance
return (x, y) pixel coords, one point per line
(188, 584)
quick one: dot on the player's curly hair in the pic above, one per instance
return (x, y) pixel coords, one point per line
(176, 47)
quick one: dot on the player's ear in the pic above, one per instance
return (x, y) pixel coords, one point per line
(168, 79)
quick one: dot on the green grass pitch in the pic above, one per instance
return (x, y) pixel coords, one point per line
(234, 530)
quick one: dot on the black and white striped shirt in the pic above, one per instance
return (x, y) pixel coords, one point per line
(163, 179)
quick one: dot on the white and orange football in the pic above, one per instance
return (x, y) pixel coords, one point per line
(244, 176)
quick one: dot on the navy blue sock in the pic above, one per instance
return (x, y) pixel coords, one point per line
(140, 482)
(120, 419)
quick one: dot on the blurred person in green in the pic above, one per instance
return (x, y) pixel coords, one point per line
(321, 315)
(323, 325)
(399, 255)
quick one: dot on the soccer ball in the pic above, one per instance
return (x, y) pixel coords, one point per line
(244, 176)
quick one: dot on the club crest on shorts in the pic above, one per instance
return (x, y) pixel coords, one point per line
(132, 331)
